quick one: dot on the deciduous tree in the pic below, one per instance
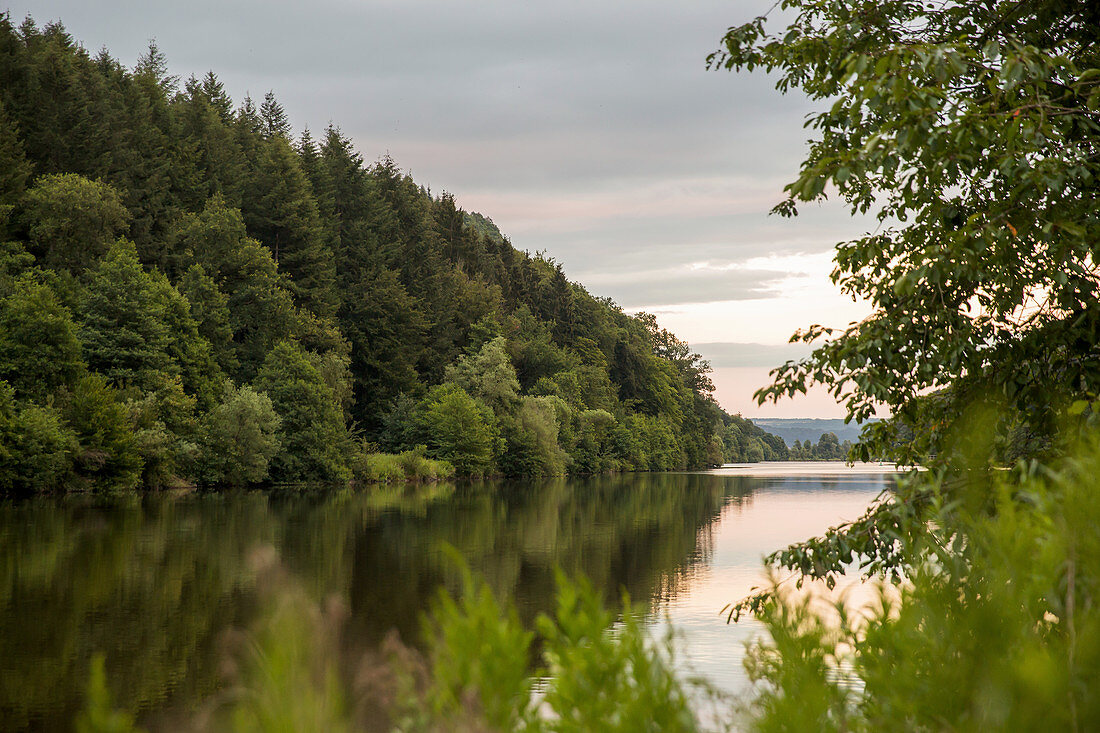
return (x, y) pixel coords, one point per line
(969, 130)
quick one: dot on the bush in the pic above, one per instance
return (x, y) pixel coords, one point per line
(459, 430)
(36, 446)
(479, 672)
(239, 438)
(107, 455)
(382, 468)
(313, 437)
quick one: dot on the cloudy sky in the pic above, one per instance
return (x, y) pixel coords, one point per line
(588, 130)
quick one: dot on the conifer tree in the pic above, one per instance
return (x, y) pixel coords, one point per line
(191, 354)
(260, 309)
(275, 122)
(217, 97)
(14, 166)
(280, 211)
(210, 310)
(154, 65)
(122, 322)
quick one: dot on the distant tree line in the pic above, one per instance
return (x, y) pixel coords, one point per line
(827, 448)
(189, 294)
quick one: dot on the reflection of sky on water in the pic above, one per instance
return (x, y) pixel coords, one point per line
(779, 510)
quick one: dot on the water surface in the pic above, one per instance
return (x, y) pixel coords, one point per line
(155, 581)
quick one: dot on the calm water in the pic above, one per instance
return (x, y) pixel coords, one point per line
(154, 582)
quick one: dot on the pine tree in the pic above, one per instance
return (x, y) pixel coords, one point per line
(210, 310)
(217, 97)
(123, 322)
(275, 122)
(261, 309)
(280, 211)
(14, 166)
(154, 65)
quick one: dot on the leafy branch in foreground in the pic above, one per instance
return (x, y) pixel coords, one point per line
(882, 541)
(998, 630)
(972, 132)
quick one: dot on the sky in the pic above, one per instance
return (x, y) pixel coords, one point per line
(590, 131)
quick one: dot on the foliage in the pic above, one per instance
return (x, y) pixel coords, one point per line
(36, 447)
(478, 656)
(210, 310)
(284, 671)
(123, 321)
(153, 232)
(39, 348)
(744, 442)
(590, 453)
(239, 438)
(411, 465)
(107, 456)
(166, 433)
(312, 435)
(460, 431)
(597, 674)
(531, 438)
(607, 678)
(487, 375)
(968, 129)
(827, 448)
(72, 221)
(98, 716)
(995, 628)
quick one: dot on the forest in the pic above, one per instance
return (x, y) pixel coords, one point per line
(191, 294)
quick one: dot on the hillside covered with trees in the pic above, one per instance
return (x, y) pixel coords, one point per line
(191, 293)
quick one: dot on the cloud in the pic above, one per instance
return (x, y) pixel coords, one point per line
(639, 289)
(590, 131)
(724, 354)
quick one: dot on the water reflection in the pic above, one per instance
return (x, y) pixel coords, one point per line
(153, 581)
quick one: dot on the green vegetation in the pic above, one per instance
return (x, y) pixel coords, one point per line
(742, 442)
(996, 627)
(970, 131)
(410, 465)
(475, 674)
(827, 448)
(190, 295)
(802, 429)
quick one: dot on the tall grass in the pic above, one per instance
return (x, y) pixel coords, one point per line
(596, 670)
(996, 627)
(411, 466)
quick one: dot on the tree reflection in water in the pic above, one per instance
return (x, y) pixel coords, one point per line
(153, 581)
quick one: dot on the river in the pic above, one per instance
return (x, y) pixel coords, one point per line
(155, 581)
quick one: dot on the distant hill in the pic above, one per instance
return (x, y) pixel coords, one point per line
(791, 429)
